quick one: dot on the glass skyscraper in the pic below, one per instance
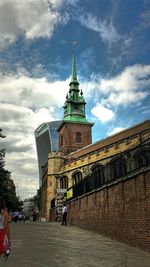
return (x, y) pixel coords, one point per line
(46, 137)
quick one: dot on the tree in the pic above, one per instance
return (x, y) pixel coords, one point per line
(7, 186)
(37, 199)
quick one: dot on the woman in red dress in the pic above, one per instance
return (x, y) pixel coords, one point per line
(4, 233)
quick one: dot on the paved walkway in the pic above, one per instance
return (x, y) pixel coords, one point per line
(54, 245)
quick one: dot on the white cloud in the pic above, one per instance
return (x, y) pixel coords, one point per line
(104, 114)
(25, 103)
(124, 98)
(32, 92)
(131, 78)
(18, 125)
(105, 28)
(115, 130)
(32, 18)
(130, 86)
(24, 172)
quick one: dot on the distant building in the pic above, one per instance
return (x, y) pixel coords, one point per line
(46, 137)
(28, 206)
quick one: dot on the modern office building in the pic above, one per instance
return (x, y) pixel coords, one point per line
(46, 137)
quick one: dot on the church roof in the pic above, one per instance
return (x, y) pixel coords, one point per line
(118, 137)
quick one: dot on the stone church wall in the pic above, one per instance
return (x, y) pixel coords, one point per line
(119, 210)
(113, 200)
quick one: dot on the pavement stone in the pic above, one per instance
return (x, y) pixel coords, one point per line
(37, 244)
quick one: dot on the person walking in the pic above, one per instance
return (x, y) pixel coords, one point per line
(6, 222)
(4, 233)
(64, 215)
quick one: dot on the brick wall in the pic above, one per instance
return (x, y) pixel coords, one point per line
(120, 211)
(68, 133)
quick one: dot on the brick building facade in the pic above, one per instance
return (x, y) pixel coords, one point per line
(70, 134)
(106, 184)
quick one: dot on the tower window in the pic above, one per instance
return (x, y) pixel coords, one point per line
(75, 106)
(61, 140)
(78, 137)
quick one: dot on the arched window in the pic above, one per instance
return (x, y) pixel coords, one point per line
(64, 182)
(141, 158)
(77, 177)
(117, 168)
(78, 137)
(98, 174)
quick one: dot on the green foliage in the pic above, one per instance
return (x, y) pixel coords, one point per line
(7, 186)
(37, 199)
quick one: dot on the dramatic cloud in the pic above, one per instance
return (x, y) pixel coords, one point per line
(105, 28)
(18, 125)
(25, 103)
(102, 113)
(32, 92)
(131, 78)
(23, 166)
(130, 86)
(34, 19)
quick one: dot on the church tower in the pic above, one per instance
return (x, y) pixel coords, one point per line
(75, 130)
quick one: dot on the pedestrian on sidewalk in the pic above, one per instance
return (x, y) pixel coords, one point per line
(5, 241)
(64, 215)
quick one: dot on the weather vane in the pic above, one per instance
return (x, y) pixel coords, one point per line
(74, 43)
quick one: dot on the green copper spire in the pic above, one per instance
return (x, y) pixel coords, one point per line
(74, 73)
(74, 107)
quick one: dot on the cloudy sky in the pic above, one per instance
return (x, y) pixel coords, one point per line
(113, 67)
